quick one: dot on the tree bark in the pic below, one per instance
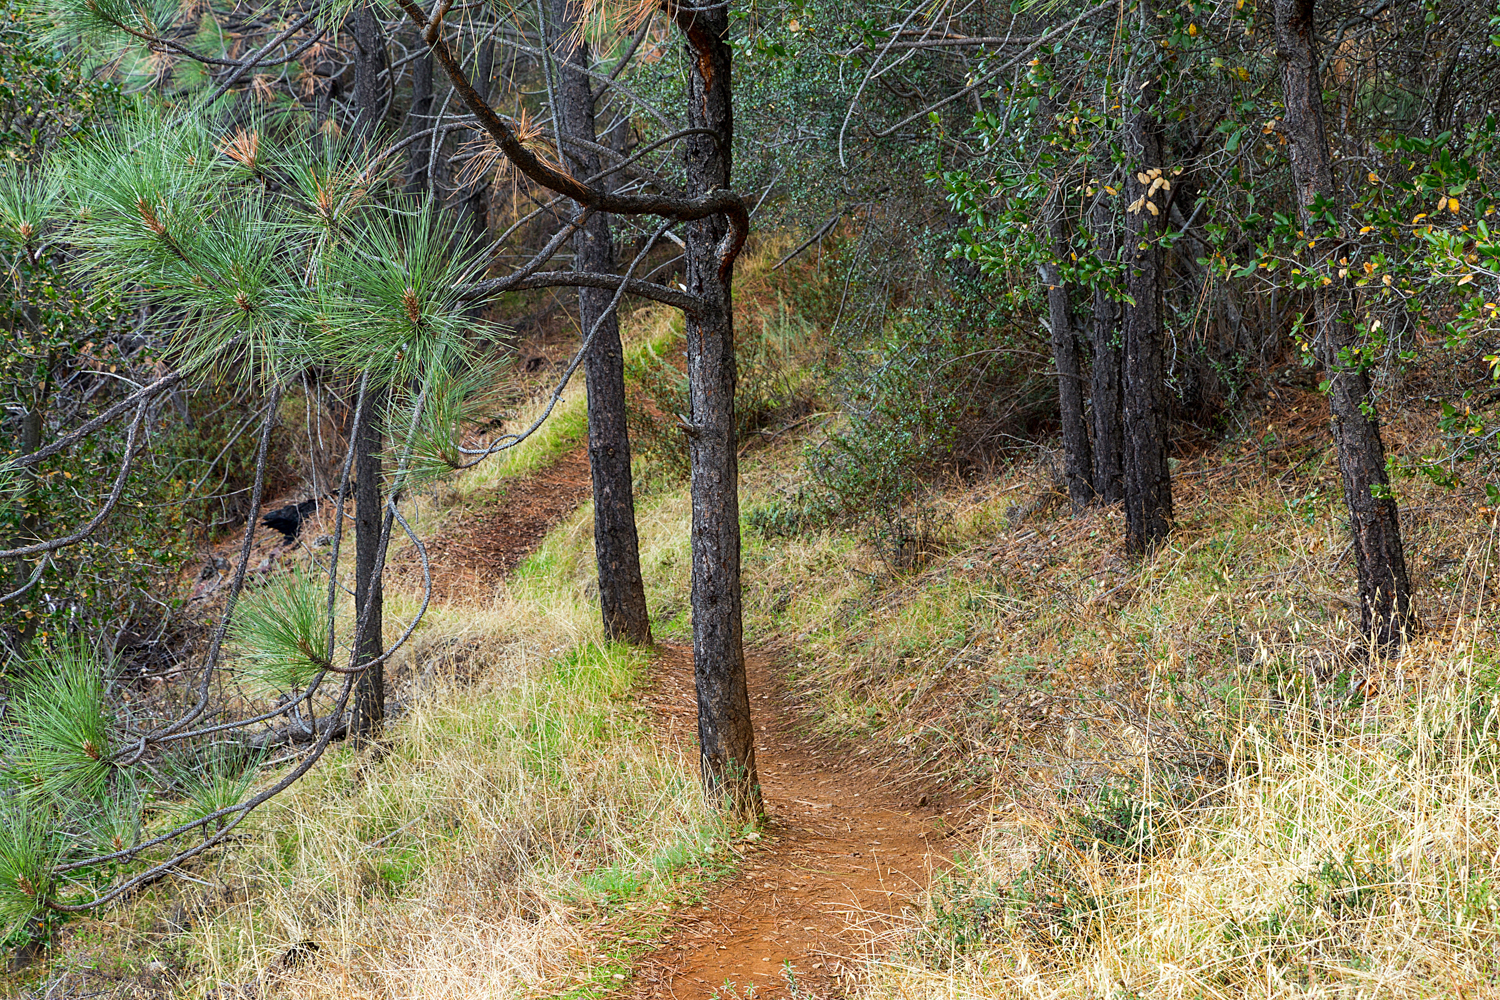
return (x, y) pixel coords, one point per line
(1077, 457)
(1384, 588)
(726, 737)
(418, 118)
(369, 64)
(369, 691)
(1105, 393)
(477, 204)
(1148, 485)
(622, 593)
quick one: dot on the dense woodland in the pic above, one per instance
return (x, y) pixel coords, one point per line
(281, 280)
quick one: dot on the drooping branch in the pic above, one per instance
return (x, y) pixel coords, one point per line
(141, 395)
(587, 279)
(553, 177)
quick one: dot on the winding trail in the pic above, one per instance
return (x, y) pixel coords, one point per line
(846, 851)
(847, 848)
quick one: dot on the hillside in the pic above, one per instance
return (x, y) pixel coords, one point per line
(1008, 762)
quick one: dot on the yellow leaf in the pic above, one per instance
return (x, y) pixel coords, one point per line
(1366, 229)
(1372, 177)
(1192, 29)
(1466, 279)
(1386, 279)
(1418, 218)
(1453, 205)
(1141, 178)
(1151, 205)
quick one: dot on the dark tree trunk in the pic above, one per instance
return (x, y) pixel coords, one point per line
(622, 594)
(369, 692)
(1148, 486)
(1105, 395)
(1077, 458)
(369, 64)
(478, 201)
(30, 502)
(1384, 590)
(726, 738)
(419, 154)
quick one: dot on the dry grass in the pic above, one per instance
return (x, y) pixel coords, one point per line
(520, 805)
(1199, 785)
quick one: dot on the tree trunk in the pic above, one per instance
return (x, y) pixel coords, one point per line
(1077, 459)
(1106, 401)
(1384, 590)
(622, 593)
(726, 738)
(477, 205)
(418, 118)
(369, 64)
(1148, 485)
(369, 691)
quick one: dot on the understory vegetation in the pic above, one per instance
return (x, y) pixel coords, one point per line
(1085, 417)
(1190, 778)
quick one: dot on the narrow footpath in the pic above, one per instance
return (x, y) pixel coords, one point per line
(846, 854)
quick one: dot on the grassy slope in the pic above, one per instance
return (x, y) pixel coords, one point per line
(1197, 787)
(1193, 792)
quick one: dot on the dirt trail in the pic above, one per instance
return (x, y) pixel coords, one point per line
(481, 544)
(846, 850)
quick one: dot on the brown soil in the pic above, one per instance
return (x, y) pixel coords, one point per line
(847, 850)
(490, 536)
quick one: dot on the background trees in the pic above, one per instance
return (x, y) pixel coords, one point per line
(1039, 220)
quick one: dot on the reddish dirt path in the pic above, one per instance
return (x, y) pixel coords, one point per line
(847, 849)
(473, 553)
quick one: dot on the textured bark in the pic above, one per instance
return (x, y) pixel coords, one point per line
(419, 153)
(369, 64)
(1106, 401)
(369, 691)
(1077, 457)
(477, 204)
(622, 594)
(1148, 486)
(726, 738)
(1384, 589)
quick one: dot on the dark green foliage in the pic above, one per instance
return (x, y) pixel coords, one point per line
(44, 95)
(1119, 823)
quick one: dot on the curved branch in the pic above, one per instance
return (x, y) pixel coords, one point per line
(109, 504)
(554, 178)
(62, 444)
(989, 76)
(255, 58)
(590, 279)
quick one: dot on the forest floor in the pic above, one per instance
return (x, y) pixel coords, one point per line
(845, 851)
(846, 847)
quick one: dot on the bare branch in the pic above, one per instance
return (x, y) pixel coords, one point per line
(589, 279)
